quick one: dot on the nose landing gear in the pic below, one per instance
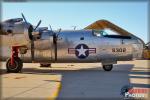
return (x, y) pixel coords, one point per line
(14, 64)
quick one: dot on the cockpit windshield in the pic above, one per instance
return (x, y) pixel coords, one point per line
(99, 33)
(103, 33)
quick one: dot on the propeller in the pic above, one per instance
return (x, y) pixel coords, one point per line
(37, 25)
(27, 22)
(24, 17)
(30, 34)
(52, 30)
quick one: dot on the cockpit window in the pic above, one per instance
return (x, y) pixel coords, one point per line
(99, 33)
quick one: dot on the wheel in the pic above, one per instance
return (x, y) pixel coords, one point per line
(107, 67)
(45, 65)
(17, 67)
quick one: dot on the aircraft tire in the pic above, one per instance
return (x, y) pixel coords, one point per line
(107, 67)
(18, 64)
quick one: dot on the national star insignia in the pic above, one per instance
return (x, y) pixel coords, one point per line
(81, 51)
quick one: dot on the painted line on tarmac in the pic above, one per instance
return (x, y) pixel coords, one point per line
(56, 92)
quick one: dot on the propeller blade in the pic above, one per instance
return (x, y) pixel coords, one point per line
(37, 25)
(24, 17)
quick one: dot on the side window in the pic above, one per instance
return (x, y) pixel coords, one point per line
(104, 33)
(96, 33)
(99, 33)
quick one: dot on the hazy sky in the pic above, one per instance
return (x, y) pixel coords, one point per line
(132, 16)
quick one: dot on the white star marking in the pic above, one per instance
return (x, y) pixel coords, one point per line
(82, 51)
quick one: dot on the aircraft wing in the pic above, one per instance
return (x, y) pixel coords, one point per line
(104, 24)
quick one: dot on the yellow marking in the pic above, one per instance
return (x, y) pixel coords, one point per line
(56, 92)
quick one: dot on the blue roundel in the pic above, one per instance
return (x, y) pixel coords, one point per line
(82, 51)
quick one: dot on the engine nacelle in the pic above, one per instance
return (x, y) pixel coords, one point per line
(12, 26)
(17, 26)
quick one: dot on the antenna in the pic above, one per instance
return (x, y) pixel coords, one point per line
(74, 27)
(59, 29)
(50, 27)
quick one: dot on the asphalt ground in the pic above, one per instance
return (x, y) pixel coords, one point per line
(74, 81)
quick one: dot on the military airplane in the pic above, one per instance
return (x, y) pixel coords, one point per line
(21, 42)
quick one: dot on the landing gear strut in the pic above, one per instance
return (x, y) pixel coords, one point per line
(14, 64)
(45, 65)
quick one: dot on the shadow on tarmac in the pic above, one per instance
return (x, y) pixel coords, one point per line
(91, 83)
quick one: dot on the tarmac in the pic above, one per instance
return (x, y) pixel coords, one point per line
(74, 81)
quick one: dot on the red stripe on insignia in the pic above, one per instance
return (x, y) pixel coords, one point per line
(71, 51)
(92, 50)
